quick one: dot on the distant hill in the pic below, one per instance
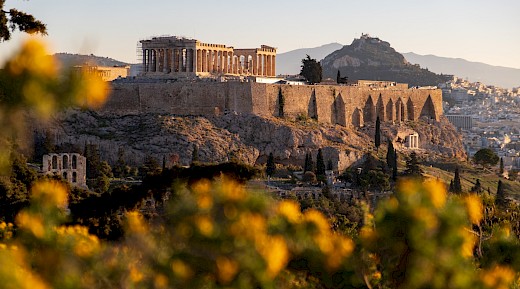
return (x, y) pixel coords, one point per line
(373, 58)
(474, 71)
(289, 62)
(69, 60)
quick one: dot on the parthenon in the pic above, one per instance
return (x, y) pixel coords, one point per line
(178, 56)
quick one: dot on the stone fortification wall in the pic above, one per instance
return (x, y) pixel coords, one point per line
(343, 105)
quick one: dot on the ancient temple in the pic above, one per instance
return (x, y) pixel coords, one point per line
(178, 56)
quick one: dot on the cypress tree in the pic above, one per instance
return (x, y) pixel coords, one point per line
(281, 103)
(320, 164)
(338, 77)
(270, 167)
(501, 166)
(330, 167)
(500, 199)
(478, 187)
(450, 188)
(390, 154)
(377, 137)
(457, 187)
(394, 166)
(195, 154)
(308, 167)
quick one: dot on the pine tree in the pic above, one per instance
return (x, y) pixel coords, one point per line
(270, 167)
(412, 166)
(377, 137)
(390, 154)
(477, 188)
(501, 166)
(320, 164)
(457, 187)
(500, 199)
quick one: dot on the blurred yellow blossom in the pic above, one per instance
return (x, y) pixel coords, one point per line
(92, 91)
(160, 281)
(342, 248)
(290, 210)
(51, 192)
(205, 225)
(136, 223)
(231, 190)
(436, 191)
(498, 277)
(469, 242)
(227, 269)
(275, 253)
(474, 208)
(32, 223)
(316, 217)
(33, 58)
(181, 270)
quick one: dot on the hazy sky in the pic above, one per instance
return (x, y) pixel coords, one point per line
(476, 30)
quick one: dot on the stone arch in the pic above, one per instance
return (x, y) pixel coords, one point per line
(54, 162)
(74, 162)
(390, 116)
(410, 109)
(65, 161)
(312, 110)
(339, 110)
(428, 109)
(400, 111)
(357, 117)
(380, 108)
(369, 113)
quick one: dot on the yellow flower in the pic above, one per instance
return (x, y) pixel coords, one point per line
(499, 277)
(32, 223)
(275, 253)
(51, 192)
(202, 187)
(231, 190)
(92, 91)
(290, 210)
(436, 191)
(3, 225)
(204, 201)
(160, 281)
(318, 219)
(136, 222)
(181, 270)
(227, 269)
(469, 241)
(474, 208)
(33, 58)
(205, 225)
(342, 248)
(135, 275)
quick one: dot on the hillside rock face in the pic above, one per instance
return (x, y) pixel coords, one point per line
(247, 138)
(373, 58)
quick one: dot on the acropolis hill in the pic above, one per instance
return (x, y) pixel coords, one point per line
(226, 102)
(187, 77)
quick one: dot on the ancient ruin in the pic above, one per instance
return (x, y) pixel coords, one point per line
(71, 166)
(173, 56)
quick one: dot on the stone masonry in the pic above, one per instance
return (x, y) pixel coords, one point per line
(349, 106)
(173, 56)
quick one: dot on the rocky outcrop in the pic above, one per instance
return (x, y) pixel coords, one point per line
(372, 58)
(244, 137)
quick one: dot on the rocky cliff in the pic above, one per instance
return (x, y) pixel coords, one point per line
(373, 58)
(247, 138)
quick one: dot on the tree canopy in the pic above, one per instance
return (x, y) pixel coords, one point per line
(12, 19)
(486, 157)
(311, 70)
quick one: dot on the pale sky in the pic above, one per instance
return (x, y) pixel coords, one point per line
(476, 30)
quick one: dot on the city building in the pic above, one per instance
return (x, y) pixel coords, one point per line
(71, 166)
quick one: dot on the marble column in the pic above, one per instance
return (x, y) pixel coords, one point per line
(273, 67)
(156, 56)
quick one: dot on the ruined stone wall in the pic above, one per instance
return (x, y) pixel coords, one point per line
(343, 105)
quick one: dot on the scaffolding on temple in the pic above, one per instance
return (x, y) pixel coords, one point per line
(139, 53)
